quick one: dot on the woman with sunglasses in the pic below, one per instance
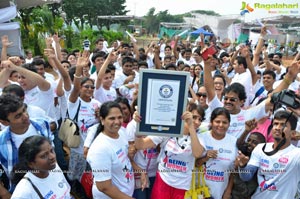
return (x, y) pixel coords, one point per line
(177, 156)
(81, 101)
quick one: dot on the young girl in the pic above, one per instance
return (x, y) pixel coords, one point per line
(37, 173)
(177, 156)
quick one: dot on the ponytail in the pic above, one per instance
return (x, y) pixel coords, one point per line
(99, 129)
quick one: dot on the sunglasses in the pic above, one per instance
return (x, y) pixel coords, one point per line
(231, 99)
(202, 94)
(89, 86)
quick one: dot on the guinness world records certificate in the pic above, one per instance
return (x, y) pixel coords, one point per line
(161, 102)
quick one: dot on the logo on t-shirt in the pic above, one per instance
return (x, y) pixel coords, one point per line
(264, 185)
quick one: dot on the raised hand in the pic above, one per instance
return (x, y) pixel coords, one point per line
(188, 118)
(5, 41)
(250, 125)
(49, 53)
(242, 160)
(49, 41)
(15, 60)
(7, 64)
(83, 59)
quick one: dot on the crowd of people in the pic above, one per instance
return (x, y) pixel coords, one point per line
(240, 124)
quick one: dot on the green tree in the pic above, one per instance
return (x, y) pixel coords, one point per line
(151, 23)
(152, 20)
(87, 12)
(36, 24)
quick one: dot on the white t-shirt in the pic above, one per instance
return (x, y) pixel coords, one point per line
(91, 133)
(109, 161)
(86, 118)
(246, 80)
(103, 95)
(237, 121)
(42, 99)
(175, 161)
(143, 158)
(18, 139)
(53, 186)
(216, 170)
(278, 175)
(120, 78)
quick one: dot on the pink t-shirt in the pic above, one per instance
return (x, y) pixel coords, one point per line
(263, 129)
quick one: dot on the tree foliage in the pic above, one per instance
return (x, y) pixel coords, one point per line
(36, 23)
(153, 20)
(206, 12)
(87, 12)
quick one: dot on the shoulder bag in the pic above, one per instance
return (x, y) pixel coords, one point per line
(69, 130)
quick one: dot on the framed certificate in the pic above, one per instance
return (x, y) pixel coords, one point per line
(161, 102)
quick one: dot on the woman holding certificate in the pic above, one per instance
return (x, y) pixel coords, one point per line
(177, 156)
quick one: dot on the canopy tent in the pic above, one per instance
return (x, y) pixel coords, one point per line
(201, 31)
(221, 26)
(172, 29)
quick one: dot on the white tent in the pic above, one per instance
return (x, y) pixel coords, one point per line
(12, 29)
(220, 25)
(26, 3)
(8, 11)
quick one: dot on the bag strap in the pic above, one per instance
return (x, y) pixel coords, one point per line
(35, 188)
(76, 115)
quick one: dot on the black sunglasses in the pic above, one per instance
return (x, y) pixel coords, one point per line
(232, 99)
(89, 86)
(201, 94)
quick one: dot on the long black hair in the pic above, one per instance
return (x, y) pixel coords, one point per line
(104, 111)
(28, 150)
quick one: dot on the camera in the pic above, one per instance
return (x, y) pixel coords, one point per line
(287, 98)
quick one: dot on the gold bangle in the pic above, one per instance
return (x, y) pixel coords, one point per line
(77, 76)
(288, 82)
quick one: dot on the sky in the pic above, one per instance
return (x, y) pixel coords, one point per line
(223, 7)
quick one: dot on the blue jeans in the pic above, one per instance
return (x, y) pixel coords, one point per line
(146, 193)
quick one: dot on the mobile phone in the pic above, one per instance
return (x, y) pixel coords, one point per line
(209, 51)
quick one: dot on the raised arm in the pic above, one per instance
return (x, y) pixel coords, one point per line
(57, 46)
(111, 56)
(193, 94)
(175, 52)
(157, 61)
(208, 80)
(35, 78)
(259, 46)
(246, 53)
(249, 126)
(55, 63)
(4, 76)
(197, 148)
(82, 61)
(135, 49)
(297, 57)
(5, 44)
